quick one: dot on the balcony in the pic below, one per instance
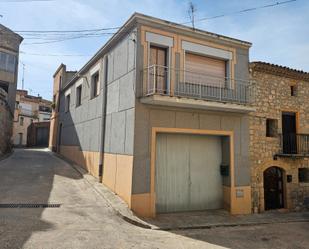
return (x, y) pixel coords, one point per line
(166, 86)
(294, 145)
(28, 113)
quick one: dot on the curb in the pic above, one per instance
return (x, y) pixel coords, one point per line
(128, 216)
(228, 225)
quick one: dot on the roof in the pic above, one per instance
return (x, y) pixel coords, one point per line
(279, 70)
(4, 29)
(139, 18)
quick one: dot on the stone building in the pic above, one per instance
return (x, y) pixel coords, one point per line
(29, 109)
(9, 53)
(279, 138)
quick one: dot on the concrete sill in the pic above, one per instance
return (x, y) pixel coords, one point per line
(195, 104)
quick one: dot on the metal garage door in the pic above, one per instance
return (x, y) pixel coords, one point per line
(188, 173)
(42, 135)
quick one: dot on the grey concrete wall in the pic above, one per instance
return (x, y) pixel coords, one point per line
(242, 64)
(82, 125)
(121, 98)
(150, 116)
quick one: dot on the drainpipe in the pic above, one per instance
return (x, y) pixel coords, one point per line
(103, 116)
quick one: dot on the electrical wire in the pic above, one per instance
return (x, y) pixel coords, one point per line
(242, 11)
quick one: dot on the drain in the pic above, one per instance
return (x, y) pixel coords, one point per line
(30, 205)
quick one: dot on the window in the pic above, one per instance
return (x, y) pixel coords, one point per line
(31, 121)
(293, 90)
(303, 175)
(21, 120)
(67, 103)
(271, 127)
(95, 85)
(16, 104)
(79, 95)
(7, 62)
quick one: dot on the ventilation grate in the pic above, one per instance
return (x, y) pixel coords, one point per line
(29, 205)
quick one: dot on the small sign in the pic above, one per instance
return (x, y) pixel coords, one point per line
(239, 193)
(224, 169)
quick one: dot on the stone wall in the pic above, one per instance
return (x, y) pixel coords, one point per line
(273, 96)
(6, 119)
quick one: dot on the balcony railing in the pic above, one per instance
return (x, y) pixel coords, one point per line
(294, 144)
(173, 82)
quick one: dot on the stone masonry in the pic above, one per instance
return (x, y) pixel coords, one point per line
(272, 97)
(6, 119)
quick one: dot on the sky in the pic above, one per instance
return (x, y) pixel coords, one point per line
(279, 34)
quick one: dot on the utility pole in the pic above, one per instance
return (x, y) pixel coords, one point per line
(23, 78)
(191, 12)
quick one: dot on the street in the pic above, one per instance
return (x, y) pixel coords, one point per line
(85, 220)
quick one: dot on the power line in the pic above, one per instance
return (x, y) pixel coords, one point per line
(25, 1)
(242, 11)
(56, 55)
(55, 36)
(68, 38)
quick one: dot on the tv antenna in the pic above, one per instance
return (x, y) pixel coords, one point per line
(191, 12)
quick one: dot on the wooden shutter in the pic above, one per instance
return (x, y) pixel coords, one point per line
(207, 66)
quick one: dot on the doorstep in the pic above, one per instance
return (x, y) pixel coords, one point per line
(222, 218)
(187, 220)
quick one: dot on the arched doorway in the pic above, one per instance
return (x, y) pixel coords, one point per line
(273, 188)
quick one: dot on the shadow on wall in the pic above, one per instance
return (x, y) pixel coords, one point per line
(73, 141)
(27, 178)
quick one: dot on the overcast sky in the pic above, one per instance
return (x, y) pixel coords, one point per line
(279, 34)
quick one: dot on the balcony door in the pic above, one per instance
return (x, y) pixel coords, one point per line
(289, 138)
(158, 69)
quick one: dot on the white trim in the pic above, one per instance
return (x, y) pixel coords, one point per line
(159, 39)
(206, 50)
(67, 92)
(95, 69)
(79, 82)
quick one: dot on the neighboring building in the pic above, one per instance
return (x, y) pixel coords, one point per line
(61, 77)
(279, 138)
(9, 53)
(29, 109)
(160, 114)
(38, 134)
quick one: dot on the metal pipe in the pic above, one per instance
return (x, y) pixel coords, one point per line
(103, 123)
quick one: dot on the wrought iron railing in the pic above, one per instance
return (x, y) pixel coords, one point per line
(173, 82)
(294, 144)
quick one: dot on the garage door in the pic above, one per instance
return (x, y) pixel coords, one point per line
(188, 173)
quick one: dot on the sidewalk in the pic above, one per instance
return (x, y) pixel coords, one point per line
(191, 220)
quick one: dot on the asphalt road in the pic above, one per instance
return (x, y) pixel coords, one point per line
(85, 220)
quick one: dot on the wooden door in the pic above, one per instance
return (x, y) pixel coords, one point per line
(289, 138)
(158, 70)
(273, 188)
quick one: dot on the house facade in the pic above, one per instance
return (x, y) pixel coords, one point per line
(160, 115)
(9, 54)
(279, 140)
(29, 109)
